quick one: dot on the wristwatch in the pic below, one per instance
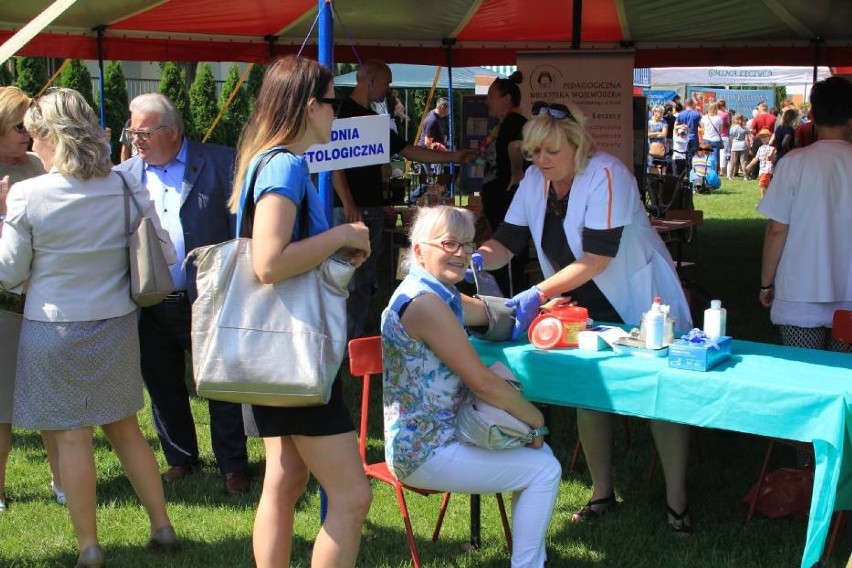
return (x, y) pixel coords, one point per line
(543, 431)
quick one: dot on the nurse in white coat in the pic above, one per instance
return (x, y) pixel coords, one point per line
(581, 208)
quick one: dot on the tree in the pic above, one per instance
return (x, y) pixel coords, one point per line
(253, 82)
(237, 113)
(32, 74)
(115, 98)
(173, 86)
(202, 104)
(6, 74)
(76, 76)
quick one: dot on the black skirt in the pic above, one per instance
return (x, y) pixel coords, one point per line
(325, 420)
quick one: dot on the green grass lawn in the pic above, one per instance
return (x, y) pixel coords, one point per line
(215, 528)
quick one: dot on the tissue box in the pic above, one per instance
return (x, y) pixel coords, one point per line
(696, 357)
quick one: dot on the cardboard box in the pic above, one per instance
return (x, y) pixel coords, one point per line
(694, 357)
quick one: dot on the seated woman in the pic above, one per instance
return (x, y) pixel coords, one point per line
(581, 207)
(430, 366)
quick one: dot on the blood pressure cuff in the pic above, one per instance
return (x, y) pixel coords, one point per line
(501, 320)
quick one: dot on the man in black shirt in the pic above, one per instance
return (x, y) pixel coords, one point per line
(359, 190)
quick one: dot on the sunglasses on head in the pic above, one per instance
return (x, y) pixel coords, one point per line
(555, 110)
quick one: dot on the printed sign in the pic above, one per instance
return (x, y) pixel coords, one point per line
(600, 83)
(358, 141)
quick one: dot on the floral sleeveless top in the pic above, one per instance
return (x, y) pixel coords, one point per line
(421, 394)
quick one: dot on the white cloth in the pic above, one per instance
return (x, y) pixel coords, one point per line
(811, 193)
(66, 236)
(712, 126)
(533, 476)
(605, 196)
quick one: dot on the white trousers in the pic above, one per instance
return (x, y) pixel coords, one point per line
(532, 475)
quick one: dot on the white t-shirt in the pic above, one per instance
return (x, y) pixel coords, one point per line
(763, 154)
(811, 192)
(712, 126)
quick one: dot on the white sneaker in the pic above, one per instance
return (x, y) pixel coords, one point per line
(2, 506)
(57, 491)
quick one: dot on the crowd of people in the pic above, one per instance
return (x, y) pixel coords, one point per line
(726, 141)
(85, 351)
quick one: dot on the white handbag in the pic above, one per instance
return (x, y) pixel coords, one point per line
(486, 426)
(268, 344)
(275, 344)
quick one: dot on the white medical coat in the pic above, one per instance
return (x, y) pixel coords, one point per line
(605, 196)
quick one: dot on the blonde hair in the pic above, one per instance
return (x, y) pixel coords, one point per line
(65, 118)
(431, 223)
(280, 114)
(13, 103)
(712, 109)
(545, 130)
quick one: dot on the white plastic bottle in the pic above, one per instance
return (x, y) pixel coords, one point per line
(654, 325)
(715, 320)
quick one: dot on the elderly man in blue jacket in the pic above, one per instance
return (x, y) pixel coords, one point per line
(190, 184)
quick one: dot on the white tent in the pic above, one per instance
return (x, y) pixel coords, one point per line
(753, 76)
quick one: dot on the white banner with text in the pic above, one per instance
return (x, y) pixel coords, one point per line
(358, 141)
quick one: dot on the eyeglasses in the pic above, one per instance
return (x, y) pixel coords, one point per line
(20, 128)
(555, 110)
(334, 102)
(451, 246)
(144, 135)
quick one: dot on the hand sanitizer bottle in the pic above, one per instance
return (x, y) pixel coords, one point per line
(654, 325)
(715, 320)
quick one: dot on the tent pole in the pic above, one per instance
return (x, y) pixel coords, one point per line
(101, 96)
(816, 42)
(448, 43)
(576, 24)
(270, 41)
(325, 53)
(325, 41)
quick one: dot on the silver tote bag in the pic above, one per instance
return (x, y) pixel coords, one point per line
(268, 344)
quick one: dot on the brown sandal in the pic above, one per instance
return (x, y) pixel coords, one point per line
(594, 509)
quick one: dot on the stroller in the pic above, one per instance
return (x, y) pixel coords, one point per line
(703, 175)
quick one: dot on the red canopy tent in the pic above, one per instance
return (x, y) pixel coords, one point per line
(663, 32)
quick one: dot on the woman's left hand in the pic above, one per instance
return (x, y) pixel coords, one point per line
(537, 442)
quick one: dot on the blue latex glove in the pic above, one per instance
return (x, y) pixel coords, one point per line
(477, 260)
(526, 305)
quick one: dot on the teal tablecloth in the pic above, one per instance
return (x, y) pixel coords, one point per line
(769, 390)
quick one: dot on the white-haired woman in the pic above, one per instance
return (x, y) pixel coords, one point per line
(429, 368)
(78, 360)
(595, 244)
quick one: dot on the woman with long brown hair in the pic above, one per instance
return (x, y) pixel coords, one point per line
(295, 110)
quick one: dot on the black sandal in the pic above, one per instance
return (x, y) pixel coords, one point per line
(679, 523)
(594, 509)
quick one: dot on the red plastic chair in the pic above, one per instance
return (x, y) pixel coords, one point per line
(365, 360)
(841, 330)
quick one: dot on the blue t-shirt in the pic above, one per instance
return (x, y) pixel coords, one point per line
(288, 175)
(691, 119)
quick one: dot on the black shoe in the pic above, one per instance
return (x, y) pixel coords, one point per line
(594, 509)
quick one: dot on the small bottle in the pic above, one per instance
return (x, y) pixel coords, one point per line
(668, 329)
(715, 320)
(654, 325)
